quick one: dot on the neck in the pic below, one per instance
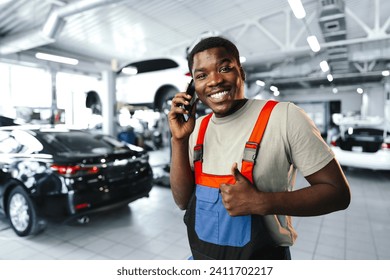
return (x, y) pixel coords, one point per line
(237, 104)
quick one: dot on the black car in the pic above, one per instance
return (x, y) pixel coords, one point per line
(4, 121)
(60, 175)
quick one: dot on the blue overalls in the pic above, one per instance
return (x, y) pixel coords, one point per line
(212, 232)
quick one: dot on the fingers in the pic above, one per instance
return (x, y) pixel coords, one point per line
(193, 109)
(226, 187)
(237, 176)
(179, 101)
(177, 108)
(180, 128)
(236, 173)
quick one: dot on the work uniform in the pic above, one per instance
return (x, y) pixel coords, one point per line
(290, 142)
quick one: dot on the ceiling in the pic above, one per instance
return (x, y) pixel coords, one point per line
(104, 34)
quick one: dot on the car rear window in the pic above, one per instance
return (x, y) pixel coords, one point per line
(364, 134)
(367, 140)
(153, 65)
(80, 142)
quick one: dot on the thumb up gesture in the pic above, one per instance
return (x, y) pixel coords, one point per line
(242, 197)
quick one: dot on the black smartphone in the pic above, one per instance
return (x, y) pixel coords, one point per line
(191, 91)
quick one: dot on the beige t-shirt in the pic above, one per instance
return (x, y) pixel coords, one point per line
(290, 142)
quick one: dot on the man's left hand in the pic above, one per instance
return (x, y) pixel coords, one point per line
(241, 197)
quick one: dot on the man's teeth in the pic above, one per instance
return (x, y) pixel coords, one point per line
(219, 94)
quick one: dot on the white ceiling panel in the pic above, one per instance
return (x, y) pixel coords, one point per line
(265, 31)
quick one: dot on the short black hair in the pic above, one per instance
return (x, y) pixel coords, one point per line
(213, 42)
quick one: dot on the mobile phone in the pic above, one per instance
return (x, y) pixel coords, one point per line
(191, 91)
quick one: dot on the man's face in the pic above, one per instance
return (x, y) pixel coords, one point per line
(218, 80)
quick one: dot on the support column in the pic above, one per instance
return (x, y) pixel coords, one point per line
(53, 74)
(108, 98)
(387, 99)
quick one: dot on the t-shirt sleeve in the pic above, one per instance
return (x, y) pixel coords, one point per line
(308, 151)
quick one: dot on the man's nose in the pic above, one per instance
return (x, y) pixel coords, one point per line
(215, 79)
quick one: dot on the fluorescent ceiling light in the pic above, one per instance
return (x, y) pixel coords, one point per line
(297, 8)
(386, 73)
(329, 77)
(4, 1)
(56, 58)
(324, 66)
(276, 93)
(359, 90)
(313, 43)
(273, 88)
(260, 83)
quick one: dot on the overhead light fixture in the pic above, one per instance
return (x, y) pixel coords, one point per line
(359, 90)
(276, 93)
(297, 8)
(324, 66)
(242, 59)
(4, 1)
(329, 77)
(313, 43)
(260, 83)
(56, 58)
(335, 90)
(385, 73)
(273, 88)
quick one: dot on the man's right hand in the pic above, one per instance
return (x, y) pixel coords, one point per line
(181, 129)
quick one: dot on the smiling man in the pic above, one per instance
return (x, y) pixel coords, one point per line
(225, 94)
(234, 170)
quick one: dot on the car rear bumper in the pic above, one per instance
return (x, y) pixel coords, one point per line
(66, 207)
(103, 208)
(375, 161)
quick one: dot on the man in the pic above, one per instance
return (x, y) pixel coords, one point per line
(239, 194)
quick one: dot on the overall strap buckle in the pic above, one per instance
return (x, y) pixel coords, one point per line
(198, 152)
(250, 151)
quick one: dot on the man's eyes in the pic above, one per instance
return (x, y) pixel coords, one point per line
(225, 69)
(200, 76)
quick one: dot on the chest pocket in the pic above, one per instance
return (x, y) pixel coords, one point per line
(213, 223)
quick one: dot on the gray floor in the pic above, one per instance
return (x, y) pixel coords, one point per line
(152, 228)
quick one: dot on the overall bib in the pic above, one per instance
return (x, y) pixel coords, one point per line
(212, 232)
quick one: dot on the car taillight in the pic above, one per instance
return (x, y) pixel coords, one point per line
(93, 170)
(385, 146)
(72, 170)
(82, 206)
(65, 169)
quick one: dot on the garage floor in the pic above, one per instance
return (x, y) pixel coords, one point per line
(152, 228)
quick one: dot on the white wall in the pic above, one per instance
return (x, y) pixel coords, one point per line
(351, 101)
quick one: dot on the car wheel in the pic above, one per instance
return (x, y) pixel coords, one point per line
(21, 213)
(164, 104)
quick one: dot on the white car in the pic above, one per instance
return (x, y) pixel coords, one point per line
(152, 82)
(363, 147)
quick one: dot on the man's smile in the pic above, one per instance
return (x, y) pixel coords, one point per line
(219, 95)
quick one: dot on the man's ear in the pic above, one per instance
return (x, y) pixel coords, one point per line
(242, 73)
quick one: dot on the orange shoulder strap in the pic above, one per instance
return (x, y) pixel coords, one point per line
(202, 129)
(252, 146)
